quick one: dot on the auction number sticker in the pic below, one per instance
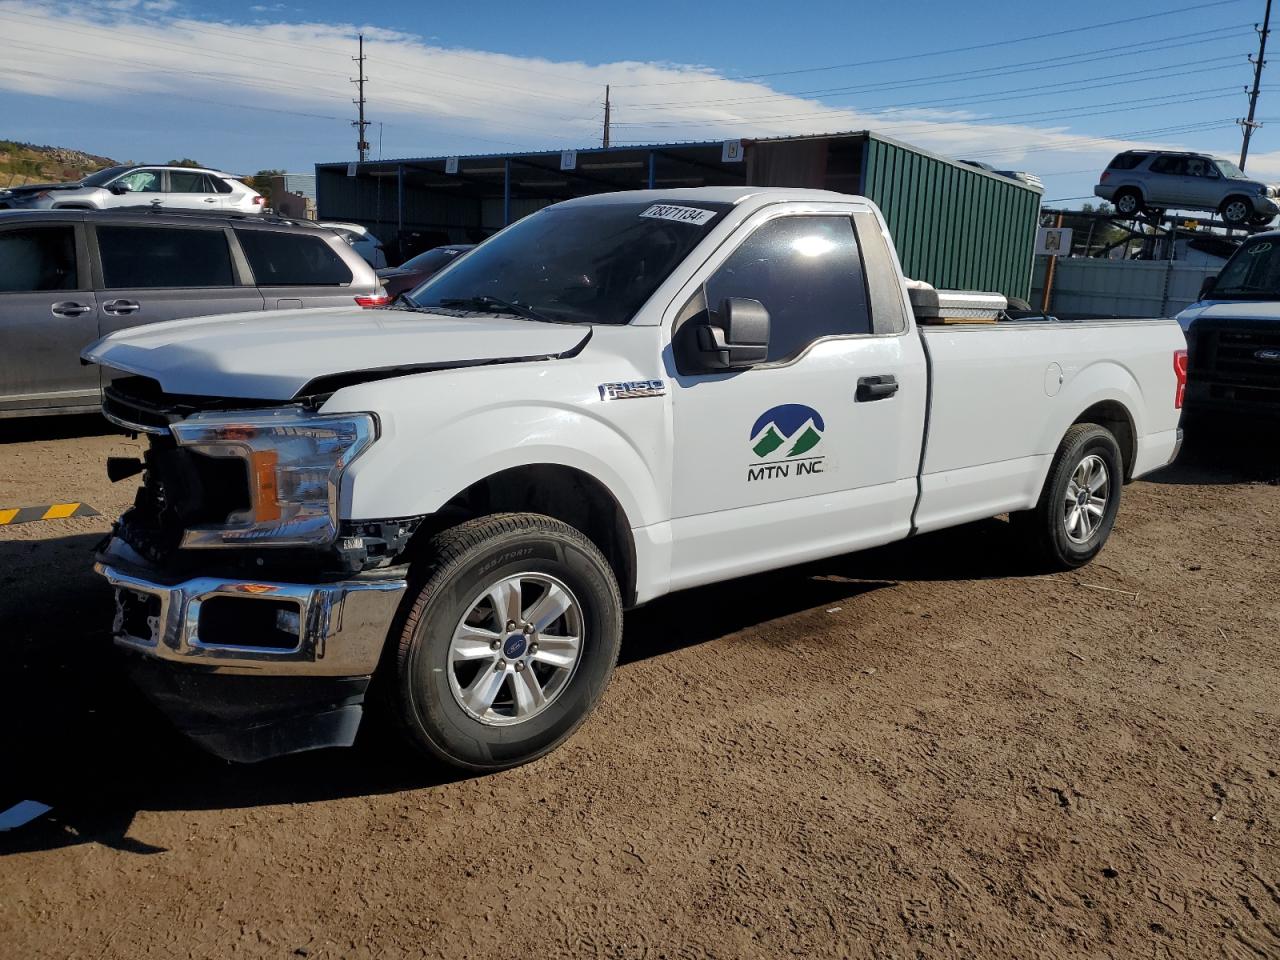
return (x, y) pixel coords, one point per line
(666, 211)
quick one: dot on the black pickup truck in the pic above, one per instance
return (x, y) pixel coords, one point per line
(1233, 335)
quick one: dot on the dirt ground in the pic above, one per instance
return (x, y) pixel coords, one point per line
(920, 751)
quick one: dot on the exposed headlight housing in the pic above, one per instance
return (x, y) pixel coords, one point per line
(294, 460)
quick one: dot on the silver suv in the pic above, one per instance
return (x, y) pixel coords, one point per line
(1160, 179)
(68, 277)
(174, 188)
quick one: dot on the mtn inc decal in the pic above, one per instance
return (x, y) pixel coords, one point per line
(783, 441)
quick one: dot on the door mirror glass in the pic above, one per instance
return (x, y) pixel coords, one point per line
(736, 336)
(120, 188)
(1207, 285)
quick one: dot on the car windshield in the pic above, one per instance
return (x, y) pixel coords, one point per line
(432, 260)
(104, 176)
(1252, 274)
(1230, 170)
(596, 263)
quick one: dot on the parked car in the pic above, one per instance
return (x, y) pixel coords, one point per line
(1139, 179)
(68, 277)
(362, 241)
(1233, 336)
(174, 188)
(401, 279)
(1030, 179)
(616, 397)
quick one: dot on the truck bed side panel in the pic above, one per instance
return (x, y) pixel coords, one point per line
(1004, 395)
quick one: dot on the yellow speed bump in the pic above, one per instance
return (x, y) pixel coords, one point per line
(56, 511)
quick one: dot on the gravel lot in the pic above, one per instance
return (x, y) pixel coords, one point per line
(915, 752)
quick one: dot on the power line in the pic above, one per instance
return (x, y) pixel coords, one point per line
(938, 53)
(1017, 93)
(982, 73)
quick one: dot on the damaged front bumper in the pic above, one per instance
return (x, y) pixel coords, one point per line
(251, 669)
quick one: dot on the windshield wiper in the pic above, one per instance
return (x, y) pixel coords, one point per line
(484, 301)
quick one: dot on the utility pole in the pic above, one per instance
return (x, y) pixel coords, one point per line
(605, 141)
(1258, 64)
(362, 145)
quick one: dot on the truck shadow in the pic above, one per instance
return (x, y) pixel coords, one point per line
(80, 738)
(1225, 452)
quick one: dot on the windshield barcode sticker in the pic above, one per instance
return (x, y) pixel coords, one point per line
(665, 211)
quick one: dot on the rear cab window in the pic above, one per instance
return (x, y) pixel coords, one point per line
(280, 259)
(146, 257)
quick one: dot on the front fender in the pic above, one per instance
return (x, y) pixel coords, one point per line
(421, 462)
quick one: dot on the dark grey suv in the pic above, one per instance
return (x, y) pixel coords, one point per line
(68, 277)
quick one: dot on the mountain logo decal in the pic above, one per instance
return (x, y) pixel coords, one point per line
(786, 431)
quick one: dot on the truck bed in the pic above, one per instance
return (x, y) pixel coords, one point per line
(999, 390)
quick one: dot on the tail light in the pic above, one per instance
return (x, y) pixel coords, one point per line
(259, 200)
(377, 300)
(1105, 174)
(1180, 371)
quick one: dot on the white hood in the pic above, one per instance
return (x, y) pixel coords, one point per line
(273, 355)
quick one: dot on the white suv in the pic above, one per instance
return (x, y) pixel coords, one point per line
(174, 188)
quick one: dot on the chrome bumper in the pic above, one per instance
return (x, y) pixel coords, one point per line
(341, 627)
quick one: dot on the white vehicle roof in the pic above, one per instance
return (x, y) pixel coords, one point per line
(706, 195)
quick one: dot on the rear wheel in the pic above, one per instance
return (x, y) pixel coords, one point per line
(1080, 499)
(1128, 203)
(509, 643)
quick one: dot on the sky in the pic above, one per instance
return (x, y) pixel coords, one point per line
(1054, 89)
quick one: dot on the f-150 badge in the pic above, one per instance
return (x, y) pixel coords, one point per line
(631, 389)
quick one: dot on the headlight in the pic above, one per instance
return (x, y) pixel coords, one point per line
(294, 461)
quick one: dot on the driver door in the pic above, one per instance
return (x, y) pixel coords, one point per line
(791, 460)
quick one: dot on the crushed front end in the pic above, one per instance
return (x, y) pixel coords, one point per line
(256, 616)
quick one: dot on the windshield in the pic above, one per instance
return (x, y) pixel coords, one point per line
(1252, 274)
(103, 176)
(597, 263)
(1230, 170)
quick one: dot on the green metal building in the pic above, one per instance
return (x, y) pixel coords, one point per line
(955, 225)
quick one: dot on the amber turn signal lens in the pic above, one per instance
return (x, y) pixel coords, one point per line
(266, 499)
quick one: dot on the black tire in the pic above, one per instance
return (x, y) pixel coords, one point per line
(460, 565)
(1237, 211)
(1127, 202)
(1260, 220)
(1045, 528)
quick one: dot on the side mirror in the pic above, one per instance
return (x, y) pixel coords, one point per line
(736, 336)
(119, 189)
(1207, 285)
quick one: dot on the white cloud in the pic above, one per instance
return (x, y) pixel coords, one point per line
(445, 100)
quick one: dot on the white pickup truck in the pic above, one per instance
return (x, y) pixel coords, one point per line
(617, 397)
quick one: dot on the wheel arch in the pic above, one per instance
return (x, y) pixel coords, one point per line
(556, 490)
(1115, 417)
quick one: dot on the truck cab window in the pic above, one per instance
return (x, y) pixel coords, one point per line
(808, 274)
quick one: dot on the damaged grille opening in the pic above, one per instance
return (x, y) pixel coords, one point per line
(181, 489)
(249, 622)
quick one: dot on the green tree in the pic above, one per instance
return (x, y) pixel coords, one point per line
(185, 162)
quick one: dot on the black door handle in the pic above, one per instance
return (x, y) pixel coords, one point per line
(876, 388)
(69, 308)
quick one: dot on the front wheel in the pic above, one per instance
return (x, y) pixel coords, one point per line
(509, 642)
(1237, 211)
(1080, 499)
